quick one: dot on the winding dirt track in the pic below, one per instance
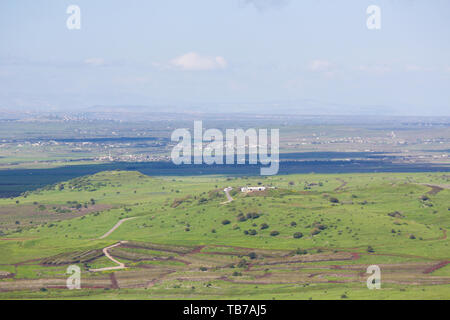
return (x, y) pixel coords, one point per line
(120, 265)
(115, 227)
(106, 253)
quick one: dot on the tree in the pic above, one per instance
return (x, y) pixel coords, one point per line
(334, 200)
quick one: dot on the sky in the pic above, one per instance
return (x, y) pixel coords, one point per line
(275, 56)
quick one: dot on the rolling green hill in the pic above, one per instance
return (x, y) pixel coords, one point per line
(305, 236)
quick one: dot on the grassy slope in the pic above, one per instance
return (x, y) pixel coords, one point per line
(359, 219)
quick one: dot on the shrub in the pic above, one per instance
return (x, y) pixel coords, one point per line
(334, 200)
(252, 255)
(225, 222)
(241, 218)
(242, 264)
(298, 235)
(395, 214)
(301, 251)
(264, 226)
(252, 215)
(370, 249)
(293, 224)
(274, 233)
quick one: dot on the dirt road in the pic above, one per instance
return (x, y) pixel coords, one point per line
(115, 227)
(435, 189)
(106, 253)
(227, 193)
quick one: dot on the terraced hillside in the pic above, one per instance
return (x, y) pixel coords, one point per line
(304, 236)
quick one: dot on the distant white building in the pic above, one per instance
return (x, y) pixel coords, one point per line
(251, 189)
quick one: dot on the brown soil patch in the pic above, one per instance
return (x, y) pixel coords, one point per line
(436, 267)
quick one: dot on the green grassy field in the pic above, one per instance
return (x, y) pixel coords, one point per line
(186, 243)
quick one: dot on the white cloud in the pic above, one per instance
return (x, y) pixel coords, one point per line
(192, 61)
(320, 65)
(95, 62)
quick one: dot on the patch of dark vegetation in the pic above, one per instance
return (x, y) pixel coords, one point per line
(301, 251)
(216, 194)
(396, 214)
(73, 257)
(178, 201)
(334, 200)
(249, 216)
(264, 226)
(298, 235)
(158, 247)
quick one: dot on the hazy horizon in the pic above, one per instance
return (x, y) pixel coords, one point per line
(250, 56)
